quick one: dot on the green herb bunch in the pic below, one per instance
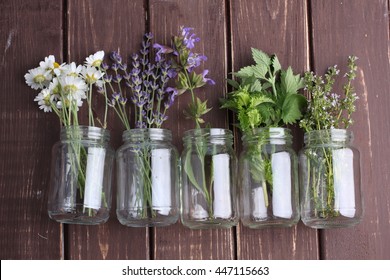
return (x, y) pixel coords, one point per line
(326, 111)
(265, 95)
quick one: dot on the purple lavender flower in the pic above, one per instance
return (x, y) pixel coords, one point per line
(115, 66)
(100, 90)
(140, 124)
(123, 66)
(127, 76)
(159, 118)
(117, 78)
(207, 80)
(116, 57)
(123, 100)
(149, 35)
(107, 78)
(105, 66)
(116, 96)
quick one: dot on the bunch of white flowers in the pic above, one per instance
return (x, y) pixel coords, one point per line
(64, 87)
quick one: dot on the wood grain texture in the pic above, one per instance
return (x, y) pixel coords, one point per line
(208, 19)
(361, 28)
(278, 27)
(92, 26)
(26, 133)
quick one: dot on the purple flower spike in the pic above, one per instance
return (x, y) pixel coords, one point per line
(149, 35)
(117, 78)
(116, 57)
(116, 96)
(123, 66)
(140, 124)
(107, 78)
(115, 66)
(123, 100)
(207, 80)
(105, 66)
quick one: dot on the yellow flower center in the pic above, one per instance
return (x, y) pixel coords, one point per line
(97, 63)
(70, 89)
(90, 79)
(56, 65)
(39, 79)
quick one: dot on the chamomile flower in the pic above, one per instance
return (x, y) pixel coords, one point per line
(91, 74)
(50, 64)
(38, 78)
(44, 99)
(95, 60)
(55, 88)
(72, 69)
(73, 88)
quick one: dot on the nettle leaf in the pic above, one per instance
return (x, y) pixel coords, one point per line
(290, 83)
(292, 108)
(243, 99)
(256, 86)
(257, 100)
(243, 119)
(275, 64)
(233, 83)
(254, 118)
(229, 104)
(245, 72)
(260, 57)
(259, 71)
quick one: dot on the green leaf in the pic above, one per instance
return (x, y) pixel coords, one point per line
(257, 100)
(190, 173)
(292, 108)
(276, 64)
(253, 118)
(245, 72)
(228, 104)
(243, 99)
(290, 83)
(260, 57)
(256, 86)
(233, 83)
(259, 71)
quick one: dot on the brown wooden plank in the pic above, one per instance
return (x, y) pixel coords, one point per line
(29, 31)
(275, 27)
(92, 26)
(361, 28)
(208, 19)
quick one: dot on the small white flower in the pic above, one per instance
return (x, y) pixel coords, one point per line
(95, 60)
(44, 99)
(73, 69)
(50, 64)
(91, 74)
(73, 88)
(55, 88)
(38, 78)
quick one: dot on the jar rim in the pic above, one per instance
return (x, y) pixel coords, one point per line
(138, 134)
(84, 132)
(208, 133)
(334, 134)
(276, 133)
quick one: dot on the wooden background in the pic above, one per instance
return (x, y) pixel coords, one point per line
(307, 34)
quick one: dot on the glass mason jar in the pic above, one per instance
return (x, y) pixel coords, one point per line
(208, 195)
(80, 184)
(269, 193)
(330, 180)
(147, 178)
